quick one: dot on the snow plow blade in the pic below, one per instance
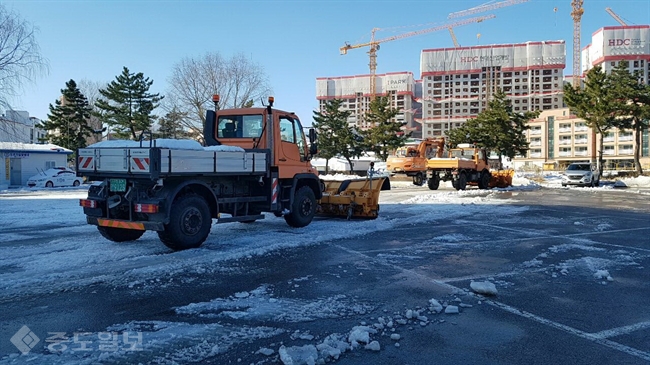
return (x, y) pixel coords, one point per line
(352, 198)
(501, 178)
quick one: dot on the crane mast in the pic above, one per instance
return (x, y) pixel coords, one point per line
(576, 14)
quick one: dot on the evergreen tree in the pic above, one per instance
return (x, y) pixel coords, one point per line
(497, 129)
(335, 136)
(632, 104)
(385, 135)
(68, 119)
(170, 125)
(127, 104)
(595, 104)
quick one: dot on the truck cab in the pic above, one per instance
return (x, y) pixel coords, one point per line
(264, 128)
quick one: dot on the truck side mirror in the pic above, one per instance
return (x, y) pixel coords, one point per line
(312, 135)
(313, 148)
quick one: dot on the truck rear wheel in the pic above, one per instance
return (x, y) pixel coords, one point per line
(119, 234)
(189, 223)
(434, 182)
(303, 208)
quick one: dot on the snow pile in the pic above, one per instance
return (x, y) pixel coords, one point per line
(360, 335)
(603, 274)
(295, 355)
(259, 304)
(634, 182)
(224, 148)
(483, 287)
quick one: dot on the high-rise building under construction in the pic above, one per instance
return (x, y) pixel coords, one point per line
(458, 82)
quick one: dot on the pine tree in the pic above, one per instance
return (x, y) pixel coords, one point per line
(335, 136)
(385, 135)
(632, 104)
(595, 104)
(127, 104)
(170, 125)
(497, 129)
(68, 120)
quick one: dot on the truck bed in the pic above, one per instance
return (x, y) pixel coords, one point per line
(450, 163)
(157, 162)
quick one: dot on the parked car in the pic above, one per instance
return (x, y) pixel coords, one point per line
(56, 177)
(581, 174)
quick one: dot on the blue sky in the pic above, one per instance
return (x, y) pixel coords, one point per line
(294, 41)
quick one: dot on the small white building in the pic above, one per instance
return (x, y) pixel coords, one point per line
(20, 161)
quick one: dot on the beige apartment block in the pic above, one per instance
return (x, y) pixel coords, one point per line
(558, 138)
(356, 95)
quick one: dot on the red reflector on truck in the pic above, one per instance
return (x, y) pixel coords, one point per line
(87, 203)
(146, 208)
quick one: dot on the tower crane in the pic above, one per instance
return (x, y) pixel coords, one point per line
(615, 16)
(479, 9)
(576, 14)
(374, 43)
(485, 7)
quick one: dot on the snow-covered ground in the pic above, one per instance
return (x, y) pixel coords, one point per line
(72, 254)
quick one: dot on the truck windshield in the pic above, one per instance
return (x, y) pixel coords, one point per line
(240, 126)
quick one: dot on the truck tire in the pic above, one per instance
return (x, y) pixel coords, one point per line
(461, 182)
(189, 223)
(303, 208)
(418, 179)
(119, 234)
(434, 182)
(484, 181)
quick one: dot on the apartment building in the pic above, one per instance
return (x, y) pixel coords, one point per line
(355, 92)
(17, 126)
(557, 138)
(457, 82)
(610, 45)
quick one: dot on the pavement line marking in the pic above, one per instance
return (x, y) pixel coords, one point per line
(547, 322)
(588, 336)
(622, 330)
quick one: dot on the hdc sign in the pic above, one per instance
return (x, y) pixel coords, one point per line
(624, 42)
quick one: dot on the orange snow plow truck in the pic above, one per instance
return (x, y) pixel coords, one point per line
(466, 165)
(254, 160)
(412, 160)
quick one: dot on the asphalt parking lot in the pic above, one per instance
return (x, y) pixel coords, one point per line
(570, 267)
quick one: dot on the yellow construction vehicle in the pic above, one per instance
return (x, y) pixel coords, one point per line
(466, 165)
(254, 160)
(412, 160)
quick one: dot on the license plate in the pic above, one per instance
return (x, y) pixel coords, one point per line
(117, 185)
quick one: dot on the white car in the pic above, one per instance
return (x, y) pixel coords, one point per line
(581, 174)
(56, 177)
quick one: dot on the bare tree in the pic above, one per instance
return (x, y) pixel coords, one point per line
(20, 57)
(90, 89)
(238, 80)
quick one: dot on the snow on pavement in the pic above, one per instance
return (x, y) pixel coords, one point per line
(73, 253)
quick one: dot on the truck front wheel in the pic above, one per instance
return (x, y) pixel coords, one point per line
(484, 181)
(461, 183)
(189, 223)
(418, 179)
(303, 208)
(119, 234)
